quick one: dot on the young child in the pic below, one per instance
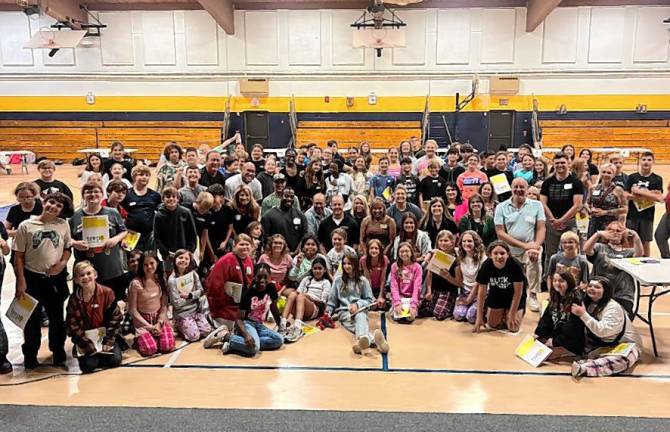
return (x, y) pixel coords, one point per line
(92, 306)
(471, 255)
(568, 259)
(116, 173)
(409, 180)
(309, 301)
(375, 264)
(339, 249)
(251, 336)
(47, 181)
(116, 193)
(442, 288)
(186, 305)
(380, 182)
(148, 305)
(351, 292)
(174, 227)
(406, 278)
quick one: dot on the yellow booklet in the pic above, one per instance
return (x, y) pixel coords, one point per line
(582, 223)
(20, 310)
(405, 305)
(440, 261)
(643, 204)
(532, 351)
(130, 241)
(623, 349)
(185, 283)
(96, 336)
(388, 193)
(310, 329)
(500, 184)
(95, 230)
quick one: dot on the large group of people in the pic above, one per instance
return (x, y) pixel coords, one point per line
(219, 244)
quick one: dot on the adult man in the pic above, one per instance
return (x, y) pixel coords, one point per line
(141, 204)
(339, 219)
(286, 220)
(246, 177)
(402, 206)
(317, 213)
(274, 199)
(520, 222)
(266, 177)
(192, 188)
(210, 174)
(421, 165)
(562, 194)
(644, 189)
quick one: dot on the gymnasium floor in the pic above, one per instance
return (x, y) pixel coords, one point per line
(433, 367)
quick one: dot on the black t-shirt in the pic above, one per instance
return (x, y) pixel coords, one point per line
(651, 182)
(593, 170)
(52, 187)
(411, 183)
(127, 168)
(201, 220)
(451, 174)
(259, 164)
(207, 180)
(431, 187)
(560, 193)
(293, 182)
(495, 171)
(16, 214)
(500, 283)
(255, 297)
(440, 284)
(141, 210)
(218, 225)
(240, 221)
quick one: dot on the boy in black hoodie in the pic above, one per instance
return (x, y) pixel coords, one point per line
(174, 227)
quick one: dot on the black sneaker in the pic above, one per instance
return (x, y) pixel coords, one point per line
(59, 360)
(30, 364)
(5, 366)
(45, 318)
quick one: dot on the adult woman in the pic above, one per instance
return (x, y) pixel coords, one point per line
(436, 220)
(107, 259)
(359, 209)
(366, 153)
(579, 169)
(478, 220)
(278, 257)
(378, 226)
(170, 173)
(454, 203)
(616, 241)
(361, 177)
(606, 203)
(489, 198)
(588, 157)
(501, 287)
(311, 183)
(409, 232)
(558, 327)
(25, 193)
(394, 163)
(606, 324)
(93, 165)
(244, 209)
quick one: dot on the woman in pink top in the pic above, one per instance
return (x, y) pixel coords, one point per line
(469, 181)
(406, 275)
(278, 257)
(148, 305)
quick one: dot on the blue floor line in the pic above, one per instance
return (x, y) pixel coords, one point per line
(369, 369)
(385, 356)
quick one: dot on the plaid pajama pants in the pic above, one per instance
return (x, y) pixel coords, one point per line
(441, 306)
(193, 326)
(148, 344)
(612, 364)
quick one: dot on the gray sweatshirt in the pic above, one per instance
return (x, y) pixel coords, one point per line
(184, 307)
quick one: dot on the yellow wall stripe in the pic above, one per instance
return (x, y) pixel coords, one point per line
(336, 104)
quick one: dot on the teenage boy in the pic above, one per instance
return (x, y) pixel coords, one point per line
(337, 157)
(42, 250)
(174, 227)
(472, 178)
(47, 181)
(190, 191)
(620, 178)
(116, 193)
(141, 204)
(409, 180)
(644, 189)
(380, 182)
(452, 169)
(220, 229)
(431, 186)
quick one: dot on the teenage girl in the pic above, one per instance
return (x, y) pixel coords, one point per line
(406, 278)
(351, 292)
(309, 301)
(302, 263)
(148, 305)
(255, 231)
(471, 255)
(375, 265)
(336, 254)
(442, 288)
(186, 306)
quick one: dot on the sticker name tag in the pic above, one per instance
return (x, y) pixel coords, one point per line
(567, 186)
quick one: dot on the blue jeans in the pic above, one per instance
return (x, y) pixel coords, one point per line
(264, 339)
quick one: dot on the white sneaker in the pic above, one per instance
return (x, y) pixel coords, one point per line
(215, 337)
(293, 334)
(225, 347)
(533, 304)
(282, 326)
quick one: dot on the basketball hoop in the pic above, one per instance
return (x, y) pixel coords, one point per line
(379, 38)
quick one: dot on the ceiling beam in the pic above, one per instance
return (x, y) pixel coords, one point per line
(222, 12)
(65, 11)
(537, 11)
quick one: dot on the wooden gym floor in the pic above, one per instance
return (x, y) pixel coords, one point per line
(432, 367)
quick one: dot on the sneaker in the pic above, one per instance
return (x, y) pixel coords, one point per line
(533, 304)
(293, 334)
(31, 364)
(361, 344)
(577, 370)
(45, 319)
(283, 326)
(380, 342)
(225, 348)
(216, 337)
(5, 365)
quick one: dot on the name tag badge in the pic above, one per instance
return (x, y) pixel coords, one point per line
(296, 221)
(435, 181)
(596, 192)
(237, 268)
(383, 226)
(567, 186)
(248, 271)
(95, 306)
(132, 204)
(530, 219)
(238, 217)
